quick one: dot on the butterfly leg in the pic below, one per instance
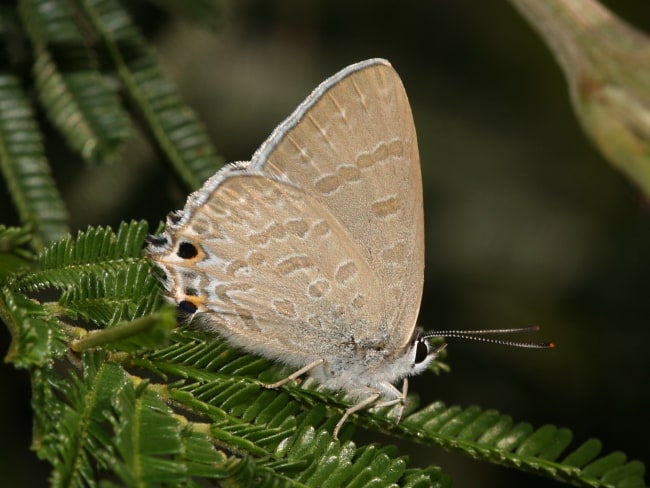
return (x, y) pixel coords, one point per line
(355, 408)
(401, 400)
(294, 375)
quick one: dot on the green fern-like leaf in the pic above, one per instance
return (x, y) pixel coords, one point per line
(103, 277)
(37, 337)
(210, 386)
(25, 168)
(120, 426)
(94, 252)
(111, 405)
(490, 436)
(77, 97)
(174, 125)
(15, 254)
(148, 438)
(115, 296)
(71, 418)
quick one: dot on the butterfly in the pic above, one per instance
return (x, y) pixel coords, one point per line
(312, 252)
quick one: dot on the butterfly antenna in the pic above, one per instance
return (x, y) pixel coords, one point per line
(477, 335)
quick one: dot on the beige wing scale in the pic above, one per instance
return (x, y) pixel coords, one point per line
(352, 145)
(284, 277)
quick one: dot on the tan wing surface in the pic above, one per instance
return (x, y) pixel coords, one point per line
(352, 146)
(283, 277)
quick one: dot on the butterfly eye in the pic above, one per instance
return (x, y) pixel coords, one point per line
(421, 351)
(187, 250)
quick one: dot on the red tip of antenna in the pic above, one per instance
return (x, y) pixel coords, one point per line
(551, 345)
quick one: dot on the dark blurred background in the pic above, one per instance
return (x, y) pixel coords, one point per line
(526, 222)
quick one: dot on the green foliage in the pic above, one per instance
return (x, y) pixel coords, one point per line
(79, 99)
(85, 59)
(174, 126)
(37, 337)
(132, 401)
(24, 166)
(121, 399)
(15, 255)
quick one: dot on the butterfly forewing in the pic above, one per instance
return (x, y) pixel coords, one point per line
(352, 146)
(316, 244)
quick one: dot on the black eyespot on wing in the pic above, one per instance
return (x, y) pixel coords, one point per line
(187, 250)
(421, 351)
(187, 306)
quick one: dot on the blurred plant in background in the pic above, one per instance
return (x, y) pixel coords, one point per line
(606, 63)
